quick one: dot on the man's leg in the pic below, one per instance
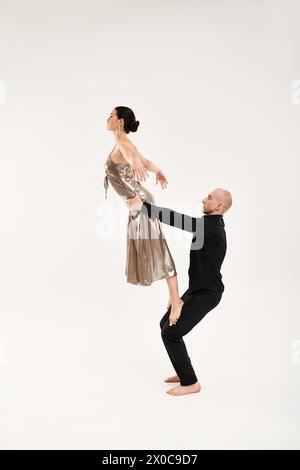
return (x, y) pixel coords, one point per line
(195, 307)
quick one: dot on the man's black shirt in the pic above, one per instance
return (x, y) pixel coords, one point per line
(208, 247)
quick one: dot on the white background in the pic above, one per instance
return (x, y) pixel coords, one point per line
(82, 362)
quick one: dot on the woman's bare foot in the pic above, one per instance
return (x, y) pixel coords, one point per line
(175, 378)
(184, 389)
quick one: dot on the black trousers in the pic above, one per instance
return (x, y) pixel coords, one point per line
(196, 306)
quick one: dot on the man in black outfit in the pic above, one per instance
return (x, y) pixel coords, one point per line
(208, 249)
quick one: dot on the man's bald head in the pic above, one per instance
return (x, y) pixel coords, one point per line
(217, 202)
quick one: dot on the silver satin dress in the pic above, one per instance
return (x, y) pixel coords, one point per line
(148, 257)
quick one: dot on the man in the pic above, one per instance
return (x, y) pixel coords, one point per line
(208, 249)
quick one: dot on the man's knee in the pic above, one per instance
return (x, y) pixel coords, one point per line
(164, 320)
(170, 332)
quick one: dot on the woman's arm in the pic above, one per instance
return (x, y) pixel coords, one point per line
(141, 164)
(130, 152)
(160, 177)
(150, 165)
(132, 155)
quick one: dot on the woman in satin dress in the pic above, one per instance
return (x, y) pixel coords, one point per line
(148, 257)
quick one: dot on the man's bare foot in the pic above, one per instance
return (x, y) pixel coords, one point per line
(175, 378)
(184, 389)
(175, 311)
(169, 305)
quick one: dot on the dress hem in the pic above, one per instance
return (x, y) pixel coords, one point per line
(153, 280)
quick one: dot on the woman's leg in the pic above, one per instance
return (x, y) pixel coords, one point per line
(175, 301)
(174, 298)
(173, 289)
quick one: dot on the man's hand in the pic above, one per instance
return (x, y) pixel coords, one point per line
(135, 203)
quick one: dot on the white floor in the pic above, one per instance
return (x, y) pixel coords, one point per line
(98, 383)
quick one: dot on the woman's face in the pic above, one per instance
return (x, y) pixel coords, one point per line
(113, 122)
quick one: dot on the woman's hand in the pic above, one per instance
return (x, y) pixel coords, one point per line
(139, 169)
(161, 179)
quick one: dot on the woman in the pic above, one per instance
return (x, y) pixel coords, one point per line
(148, 258)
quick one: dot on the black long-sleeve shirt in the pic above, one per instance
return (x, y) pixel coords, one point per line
(208, 247)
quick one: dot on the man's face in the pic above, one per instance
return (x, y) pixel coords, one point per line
(210, 203)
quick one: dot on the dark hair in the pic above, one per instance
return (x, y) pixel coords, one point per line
(130, 124)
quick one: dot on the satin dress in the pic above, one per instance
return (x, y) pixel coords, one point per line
(148, 257)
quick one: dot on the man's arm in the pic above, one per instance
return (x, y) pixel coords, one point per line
(169, 216)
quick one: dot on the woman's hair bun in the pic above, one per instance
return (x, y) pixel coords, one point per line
(130, 124)
(134, 126)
